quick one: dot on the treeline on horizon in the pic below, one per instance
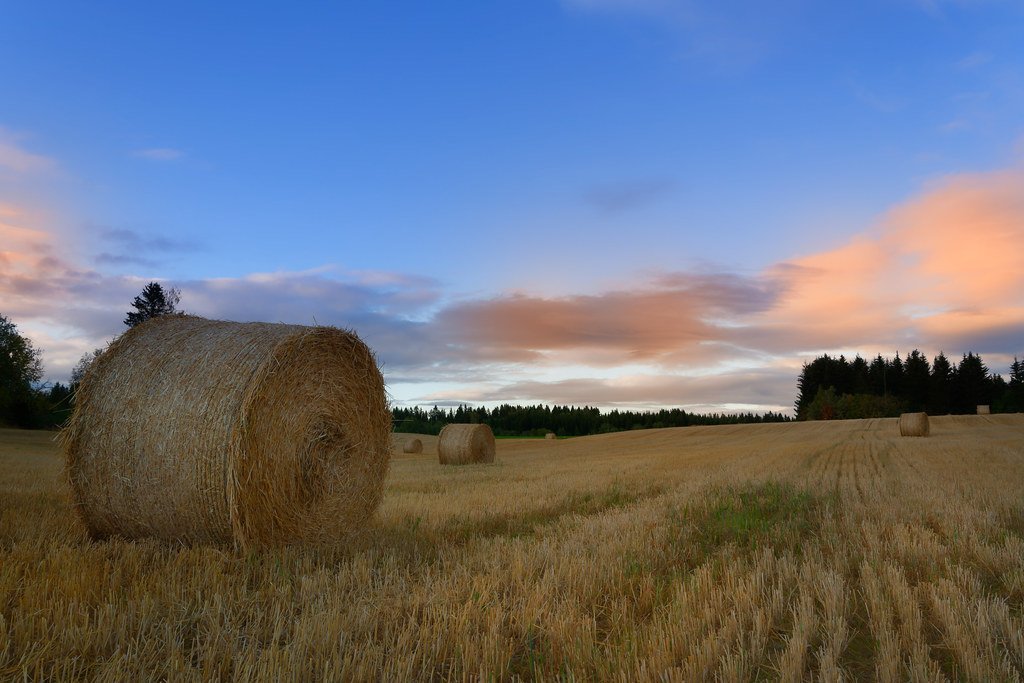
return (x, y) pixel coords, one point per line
(538, 420)
(837, 388)
(28, 402)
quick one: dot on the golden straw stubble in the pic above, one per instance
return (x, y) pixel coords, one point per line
(254, 434)
(461, 444)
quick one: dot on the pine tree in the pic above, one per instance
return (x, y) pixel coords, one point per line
(1014, 397)
(940, 389)
(859, 370)
(877, 380)
(973, 386)
(895, 373)
(916, 381)
(154, 301)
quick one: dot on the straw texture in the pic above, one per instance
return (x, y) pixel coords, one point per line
(550, 435)
(249, 433)
(460, 444)
(413, 446)
(914, 424)
(984, 410)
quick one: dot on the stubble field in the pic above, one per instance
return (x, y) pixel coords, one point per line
(827, 551)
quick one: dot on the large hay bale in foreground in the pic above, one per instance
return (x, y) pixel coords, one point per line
(984, 410)
(412, 446)
(459, 444)
(914, 424)
(208, 431)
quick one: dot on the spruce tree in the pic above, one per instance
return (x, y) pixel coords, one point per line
(916, 381)
(973, 385)
(940, 389)
(154, 301)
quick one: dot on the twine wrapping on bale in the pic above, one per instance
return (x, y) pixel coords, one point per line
(550, 435)
(208, 431)
(914, 424)
(459, 444)
(413, 446)
(984, 410)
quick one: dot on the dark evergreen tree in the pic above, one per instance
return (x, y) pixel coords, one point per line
(59, 394)
(152, 302)
(1013, 397)
(940, 386)
(1016, 373)
(998, 389)
(972, 386)
(859, 372)
(877, 381)
(894, 374)
(537, 420)
(916, 381)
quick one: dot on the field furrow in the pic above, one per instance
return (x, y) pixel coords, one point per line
(808, 551)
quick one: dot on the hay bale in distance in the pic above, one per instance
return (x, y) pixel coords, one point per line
(460, 444)
(247, 433)
(914, 424)
(550, 435)
(412, 446)
(984, 410)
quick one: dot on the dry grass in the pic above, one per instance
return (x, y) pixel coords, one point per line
(803, 551)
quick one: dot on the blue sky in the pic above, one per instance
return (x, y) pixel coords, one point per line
(399, 166)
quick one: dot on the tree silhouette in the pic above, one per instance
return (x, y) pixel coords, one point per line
(154, 301)
(916, 381)
(21, 366)
(940, 387)
(973, 384)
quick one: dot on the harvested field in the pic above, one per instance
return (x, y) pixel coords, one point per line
(827, 549)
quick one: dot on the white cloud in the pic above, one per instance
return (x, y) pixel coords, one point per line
(974, 60)
(159, 153)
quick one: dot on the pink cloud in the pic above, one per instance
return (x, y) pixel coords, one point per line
(760, 387)
(14, 157)
(672, 315)
(944, 270)
(946, 264)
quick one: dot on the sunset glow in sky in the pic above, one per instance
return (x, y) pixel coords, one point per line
(622, 203)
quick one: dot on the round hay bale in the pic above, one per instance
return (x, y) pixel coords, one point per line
(550, 435)
(459, 444)
(984, 410)
(914, 424)
(250, 433)
(413, 446)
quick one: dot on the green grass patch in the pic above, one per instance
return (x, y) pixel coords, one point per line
(747, 517)
(722, 526)
(526, 523)
(769, 513)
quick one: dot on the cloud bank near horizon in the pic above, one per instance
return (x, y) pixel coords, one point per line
(942, 271)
